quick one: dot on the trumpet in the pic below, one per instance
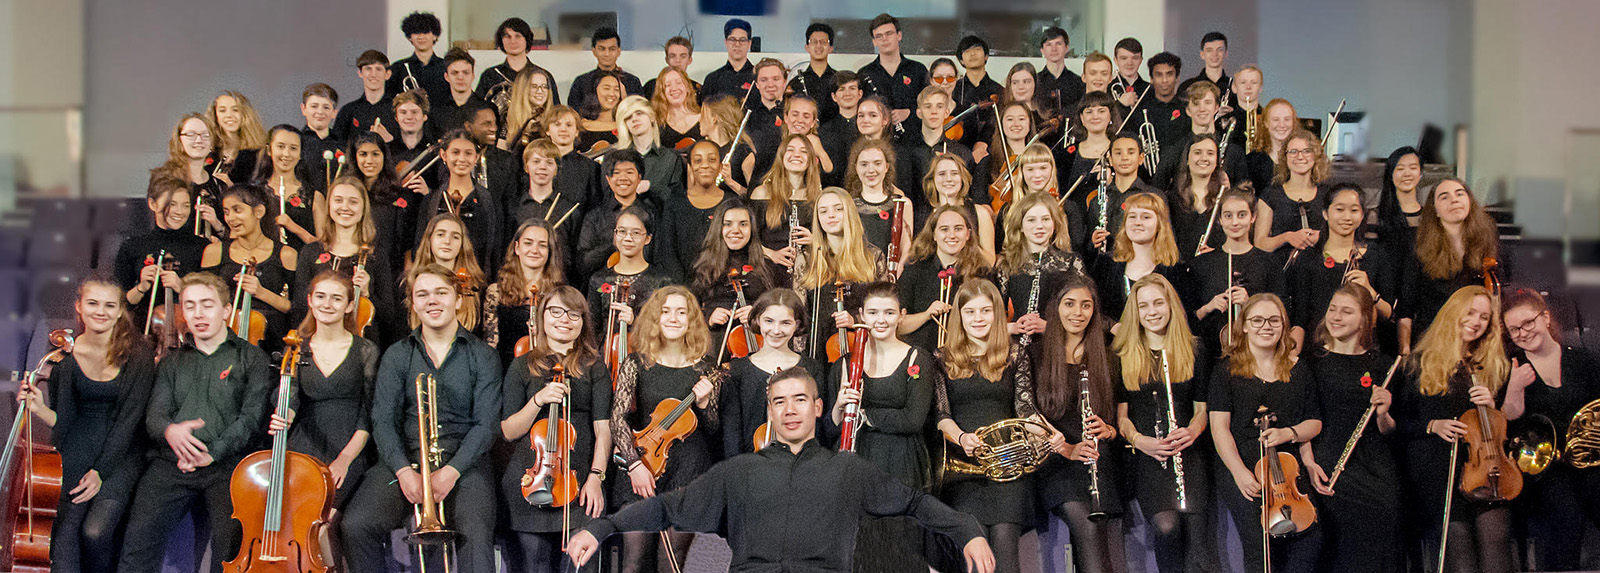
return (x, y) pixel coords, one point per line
(429, 528)
(409, 82)
(1149, 143)
(1251, 117)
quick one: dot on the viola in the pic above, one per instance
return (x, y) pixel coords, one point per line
(616, 330)
(1284, 508)
(685, 143)
(31, 474)
(668, 425)
(836, 343)
(165, 318)
(525, 343)
(364, 307)
(1489, 474)
(599, 148)
(853, 371)
(283, 499)
(407, 170)
(740, 340)
(249, 324)
(550, 482)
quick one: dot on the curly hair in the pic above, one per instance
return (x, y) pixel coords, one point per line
(646, 337)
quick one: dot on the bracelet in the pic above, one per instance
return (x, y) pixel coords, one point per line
(1294, 433)
(597, 471)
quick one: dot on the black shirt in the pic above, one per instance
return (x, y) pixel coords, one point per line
(444, 115)
(900, 90)
(980, 125)
(359, 116)
(501, 74)
(316, 168)
(1224, 83)
(726, 80)
(578, 177)
(482, 214)
(580, 96)
(782, 511)
(1060, 93)
(429, 76)
(819, 88)
(1291, 401)
(468, 384)
(599, 222)
(230, 389)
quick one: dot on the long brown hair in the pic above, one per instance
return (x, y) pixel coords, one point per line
(658, 100)
(540, 356)
(366, 232)
(852, 180)
(931, 191)
(1057, 387)
(646, 337)
(177, 162)
(1242, 363)
(123, 337)
(851, 263)
(961, 357)
(252, 133)
(308, 325)
(1180, 193)
(711, 266)
(1323, 338)
(1014, 251)
(1479, 237)
(1319, 169)
(1441, 353)
(780, 196)
(1134, 352)
(998, 148)
(513, 286)
(969, 260)
(466, 259)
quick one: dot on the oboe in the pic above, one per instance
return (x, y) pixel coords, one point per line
(1033, 293)
(1085, 411)
(1172, 423)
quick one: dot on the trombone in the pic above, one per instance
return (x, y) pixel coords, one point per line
(429, 528)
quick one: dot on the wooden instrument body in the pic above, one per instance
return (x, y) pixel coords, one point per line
(616, 344)
(1489, 474)
(1288, 511)
(741, 340)
(525, 343)
(247, 323)
(763, 436)
(668, 425)
(835, 346)
(28, 541)
(552, 468)
(854, 371)
(307, 502)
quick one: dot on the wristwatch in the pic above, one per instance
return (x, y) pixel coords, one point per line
(598, 472)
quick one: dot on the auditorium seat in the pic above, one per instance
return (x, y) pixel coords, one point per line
(53, 291)
(60, 247)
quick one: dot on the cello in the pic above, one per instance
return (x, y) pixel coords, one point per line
(33, 488)
(550, 482)
(283, 499)
(525, 343)
(249, 324)
(616, 342)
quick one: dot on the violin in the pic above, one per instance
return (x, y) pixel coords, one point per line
(739, 339)
(364, 307)
(852, 379)
(616, 342)
(1284, 508)
(249, 324)
(1491, 276)
(33, 486)
(684, 144)
(955, 130)
(407, 170)
(1489, 474)
(165, 318)
(1001, 189)
(668, 425)
(525, 343)
(550, 482)
(283, 499)
(836, 343)
(599, 148)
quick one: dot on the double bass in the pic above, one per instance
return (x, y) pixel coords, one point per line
(283, 499)
(33, 486)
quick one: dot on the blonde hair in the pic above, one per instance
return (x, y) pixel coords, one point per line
(1035, 153)
(961, 356)
(252, 135)
(520, 110)
(851, 263)
(365, 233)
(1164, 247)
(1014, 252)
(1440, 352)
(931, 190)
(1134, 352)
(1241, 362)
(466, 260)
(727, 111)
(646, 338)
(779, 193)
(631, 105)
(541, 147)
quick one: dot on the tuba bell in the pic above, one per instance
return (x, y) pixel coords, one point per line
(1010, 449)
(1583, 437)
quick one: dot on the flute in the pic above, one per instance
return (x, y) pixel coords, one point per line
(1172, 422)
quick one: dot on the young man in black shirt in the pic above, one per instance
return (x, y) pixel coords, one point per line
(623, 169)
(504, 172)
(374, 110)
(208, 410)
(736, 77)
(1058, 87)
(839, 132)
(511, 38)
(816, 79)
(766, 115)
(1213, 53)
(423, 69)
(466, 374)
(974, 87)
(1126, 85)
(578, 177)
(455, 111)
(1163, 106)
(793, 505)
(679, 54)
(606, 47)
(318, 105)
(892, 76)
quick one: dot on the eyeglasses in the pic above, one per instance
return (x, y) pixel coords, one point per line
(558, 313)
(943, 79)
(1260, 321)
(1529, 327)
(539, 87)
(821, 42)
(1294, 152)
(733, 40)
(195, 135)
(630, 233)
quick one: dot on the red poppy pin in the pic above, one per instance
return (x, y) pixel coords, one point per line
(210, 160)
(1124, 206)
(883, 215)
(295, 200)
(149, 260)
(1072, 148)
(747, 269)
(745, 86)
(225, 373)
(777, 122)
(324, 258)
(1327, 261)
(914, 370)
(905, 80)
(605, 288)
(355, 122)
(1366, 380)
(1176, 114)
(401, 202)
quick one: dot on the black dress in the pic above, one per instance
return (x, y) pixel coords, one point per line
(681, 231)
(639, 389)
(480, 210)
(974, 402)
(919, 287)
(330, 408)
(1421, 296)
(274, 278)
(1292, 402)
(1426, 456)
(1112, 278)
(1057, 265)
(744, 402)
(1287, 215)
(897, 408)
(601, 285)
(504, 324)
(1060, 480)
(388, 311)
(1315, 276)
(1255, 270)
(1154, 483)
(1562, 498)
(100, 427)
(720, 294)
(1361, 521)
(875, 224)
(182, 246)
(589, 393)
(299, 208)
(1189, 225)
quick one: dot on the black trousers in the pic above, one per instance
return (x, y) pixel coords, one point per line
(379, 508)
(163, 496)
(85, 535)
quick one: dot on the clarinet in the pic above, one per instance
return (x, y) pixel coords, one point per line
(1085, 411)
(1105, 217)
(794, 223)
(1172, 422)
(1033, 293)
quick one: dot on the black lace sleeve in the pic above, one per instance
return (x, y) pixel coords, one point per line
(1023, 363)
(941, 394)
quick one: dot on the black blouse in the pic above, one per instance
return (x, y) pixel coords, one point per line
(1290, 401)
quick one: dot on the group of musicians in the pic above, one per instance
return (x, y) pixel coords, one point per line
(671, 308)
